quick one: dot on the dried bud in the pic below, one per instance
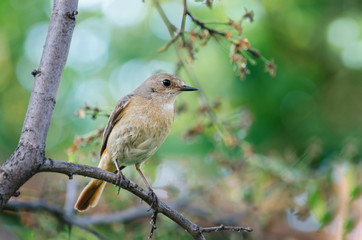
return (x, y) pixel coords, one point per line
(238, 28)
(243, 71)
(231, 141)
(181, 108)
(217, 103)
(270, 67)
(244, 44)
(209, 3)
(228, 35)
(204, 109)
(194, 36)
(249, 15)
(196, 130)
(81, 113)
(76, 143)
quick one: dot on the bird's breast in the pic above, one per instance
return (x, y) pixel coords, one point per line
(140, 132)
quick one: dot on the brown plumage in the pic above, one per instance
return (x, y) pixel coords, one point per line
(136, 128)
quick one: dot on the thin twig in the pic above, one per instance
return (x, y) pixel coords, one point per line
(183, 22)
(153, 224)
(203, 25)
(169, 43)
(226, 228)
(164, 17)
(225, 134)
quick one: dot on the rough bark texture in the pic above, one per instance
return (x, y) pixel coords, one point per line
(71, 169)
(29, 154)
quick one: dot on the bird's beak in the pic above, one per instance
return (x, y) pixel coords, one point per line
(187, 88)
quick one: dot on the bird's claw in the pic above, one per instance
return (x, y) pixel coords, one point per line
(120, 179)
(153, 196)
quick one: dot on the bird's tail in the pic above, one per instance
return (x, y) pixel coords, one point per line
(91, 194)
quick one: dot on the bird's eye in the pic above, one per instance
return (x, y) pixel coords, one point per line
(166, 82)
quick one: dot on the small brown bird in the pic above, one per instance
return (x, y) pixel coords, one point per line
(137, 127)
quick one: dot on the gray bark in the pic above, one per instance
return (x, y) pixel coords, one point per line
(29, 154)
(71, 169)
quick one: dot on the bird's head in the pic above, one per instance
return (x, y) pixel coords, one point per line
(162, 86)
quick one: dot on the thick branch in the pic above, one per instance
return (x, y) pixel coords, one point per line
(71, 169)
(47, 76)
(29, 153)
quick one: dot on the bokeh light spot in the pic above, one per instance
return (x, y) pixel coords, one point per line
(343, 32)
(89, 47)
(352, 55)
(23, 69)
(35, 41)
(308, 225)
(89, 5)
(123, 12)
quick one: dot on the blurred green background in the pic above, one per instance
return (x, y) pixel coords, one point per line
(286, 160)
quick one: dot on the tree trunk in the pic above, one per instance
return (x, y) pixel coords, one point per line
(29, 154)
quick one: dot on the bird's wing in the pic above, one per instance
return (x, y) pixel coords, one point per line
(115, 116)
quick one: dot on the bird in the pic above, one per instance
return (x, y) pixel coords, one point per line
(136, 128)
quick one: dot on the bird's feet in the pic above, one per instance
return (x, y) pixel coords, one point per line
(121, 178)
(153, 196)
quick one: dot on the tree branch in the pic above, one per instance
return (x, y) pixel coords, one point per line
(120, 216)
(203, 25)
(29, 154)
(226, 228)
(71, 169)
(48, 75)
(53, 210)
(126, 215)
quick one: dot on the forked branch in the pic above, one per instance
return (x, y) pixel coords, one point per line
(71, 169)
